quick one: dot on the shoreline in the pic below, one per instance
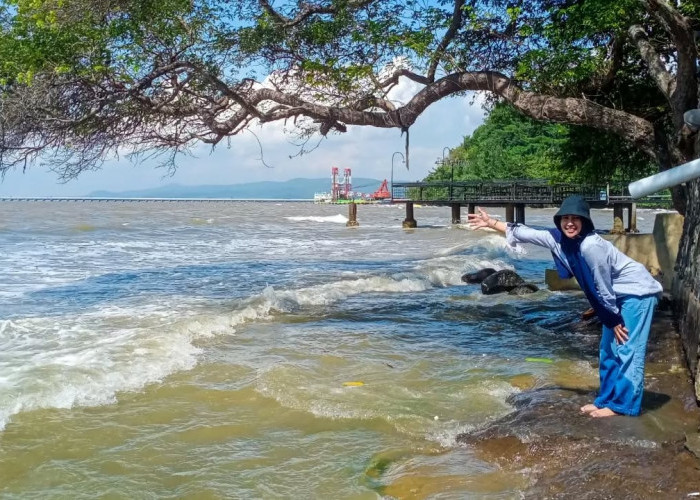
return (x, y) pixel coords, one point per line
(566, 454)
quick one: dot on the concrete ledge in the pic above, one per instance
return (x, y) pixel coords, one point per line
(554, 282)
(668, 229)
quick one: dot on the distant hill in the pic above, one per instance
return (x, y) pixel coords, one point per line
(295, 189)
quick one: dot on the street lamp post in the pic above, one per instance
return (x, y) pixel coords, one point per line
(392, 170)
(452, 166)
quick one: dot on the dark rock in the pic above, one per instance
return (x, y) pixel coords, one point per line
(501, 281)
(523, 289)
(478, 276)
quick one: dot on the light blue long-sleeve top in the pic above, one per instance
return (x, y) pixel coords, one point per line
(614, 273)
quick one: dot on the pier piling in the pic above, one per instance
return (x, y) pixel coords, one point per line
(409, 222)
(632, 218)
(456, 208)
(352, 215)
(510, 211)
(618, 219)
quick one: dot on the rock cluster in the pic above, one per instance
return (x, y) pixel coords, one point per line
(504, 281)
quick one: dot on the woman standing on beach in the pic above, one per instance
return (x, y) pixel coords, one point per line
(621, 291)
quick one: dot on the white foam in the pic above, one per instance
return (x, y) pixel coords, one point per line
(455, 249)
(336, 219)
(60, 362)
(445, 433)
(263, 305)
(441, 271)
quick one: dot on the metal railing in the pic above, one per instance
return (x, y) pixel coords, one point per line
(527, 192)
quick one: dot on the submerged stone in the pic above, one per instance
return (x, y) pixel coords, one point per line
(478, 276)
(501, 281)
(523, 289)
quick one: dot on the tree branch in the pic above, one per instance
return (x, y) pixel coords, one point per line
(577, 111)
(684, 94)
(616, 54)
(664, 80)
(308, 10)
(445, 42)
(394, 78)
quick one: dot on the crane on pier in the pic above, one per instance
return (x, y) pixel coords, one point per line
(382, 193)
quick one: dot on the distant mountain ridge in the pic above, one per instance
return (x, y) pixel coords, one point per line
(294, 189)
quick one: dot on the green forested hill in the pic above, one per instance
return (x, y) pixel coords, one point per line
(509, 145)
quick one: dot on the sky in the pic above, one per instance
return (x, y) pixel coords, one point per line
(367, 151)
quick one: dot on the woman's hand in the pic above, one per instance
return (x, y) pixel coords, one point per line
(482, 219)
(621, 334)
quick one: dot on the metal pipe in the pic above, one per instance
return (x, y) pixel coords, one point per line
(667, 178)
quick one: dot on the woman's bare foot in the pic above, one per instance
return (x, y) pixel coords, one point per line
(603, 412)
(589, 408)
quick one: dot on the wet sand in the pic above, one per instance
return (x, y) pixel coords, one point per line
(562, 453)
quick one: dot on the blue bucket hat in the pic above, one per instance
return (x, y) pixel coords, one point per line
(575, 205)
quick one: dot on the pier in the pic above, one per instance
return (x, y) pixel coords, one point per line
(515, 196)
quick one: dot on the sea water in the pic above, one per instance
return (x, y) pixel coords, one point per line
(263, 350)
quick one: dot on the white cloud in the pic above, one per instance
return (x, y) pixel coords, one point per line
(404, 91)
(365, 150)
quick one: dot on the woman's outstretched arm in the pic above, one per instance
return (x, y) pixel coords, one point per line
(482, 219)
(515, 233)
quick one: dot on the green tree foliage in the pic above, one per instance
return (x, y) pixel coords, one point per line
(81, 80)
(89, 39)
(509, 145)
(589, 155)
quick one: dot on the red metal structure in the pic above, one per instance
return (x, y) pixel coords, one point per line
(335, 186)
(347, 183)
(341, 190)
(382, 193)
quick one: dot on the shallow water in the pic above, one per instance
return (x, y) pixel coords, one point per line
(264, 350)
